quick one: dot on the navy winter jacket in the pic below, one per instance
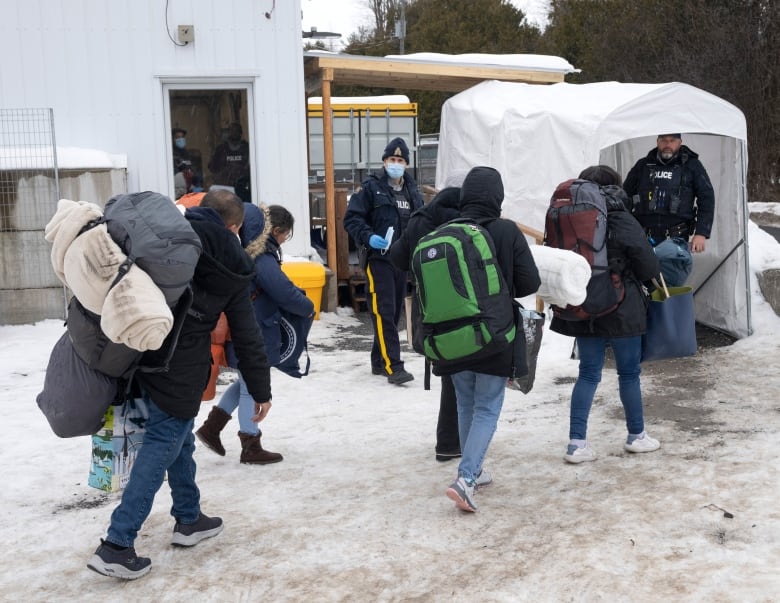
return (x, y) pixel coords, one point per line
(372, 210)
(669, 194)
(272, 289)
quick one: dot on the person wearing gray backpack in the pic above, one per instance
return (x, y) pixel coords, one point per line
(220, 284)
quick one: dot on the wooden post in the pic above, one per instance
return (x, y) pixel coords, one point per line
(330, 190)
(538, 237)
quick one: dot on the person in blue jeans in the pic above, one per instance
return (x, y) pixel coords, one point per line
(480, 384)
(219, 284)
(264, 230)
(630, 254)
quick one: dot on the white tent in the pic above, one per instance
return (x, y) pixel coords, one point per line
(539, 136)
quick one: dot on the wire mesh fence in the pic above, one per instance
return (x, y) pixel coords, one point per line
(29, 190)
(28, 167)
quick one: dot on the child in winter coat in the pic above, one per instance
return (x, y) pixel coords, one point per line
(262, 234)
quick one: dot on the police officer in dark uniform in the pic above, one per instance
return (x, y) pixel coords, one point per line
(672, 197)
(385, 199)
(671, 193)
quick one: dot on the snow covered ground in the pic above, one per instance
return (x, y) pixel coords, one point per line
(357, 511)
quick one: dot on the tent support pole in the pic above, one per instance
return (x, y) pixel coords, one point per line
(723, 261)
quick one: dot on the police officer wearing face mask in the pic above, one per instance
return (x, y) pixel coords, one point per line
(180, 152)
(385, 200)
(183, 171)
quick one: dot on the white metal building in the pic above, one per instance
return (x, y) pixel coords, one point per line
(115, 80)
(119, 79)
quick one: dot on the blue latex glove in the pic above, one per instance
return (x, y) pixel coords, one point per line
(378, 242)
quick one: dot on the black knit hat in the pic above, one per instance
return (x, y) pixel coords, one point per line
(396, 148)
(673, 135)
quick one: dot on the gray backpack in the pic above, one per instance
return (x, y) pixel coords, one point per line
(154, 234)
(87, 372)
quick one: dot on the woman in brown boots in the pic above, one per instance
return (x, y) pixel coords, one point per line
(263, 232)
(252, 451)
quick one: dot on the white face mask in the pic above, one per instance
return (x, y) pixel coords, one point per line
(395, 170)
(180, 143)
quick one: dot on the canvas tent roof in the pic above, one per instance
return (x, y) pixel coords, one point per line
(538, 136)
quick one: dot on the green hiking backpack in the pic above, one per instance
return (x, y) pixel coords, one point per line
(465, 303)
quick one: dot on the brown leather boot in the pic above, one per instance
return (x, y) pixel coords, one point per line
(209, 431)
(252, 452)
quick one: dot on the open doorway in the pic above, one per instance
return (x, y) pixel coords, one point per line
(210, 138)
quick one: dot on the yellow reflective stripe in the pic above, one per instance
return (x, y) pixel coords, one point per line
(380, 333)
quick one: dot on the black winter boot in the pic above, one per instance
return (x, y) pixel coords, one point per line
(252, 452)
(209, 431)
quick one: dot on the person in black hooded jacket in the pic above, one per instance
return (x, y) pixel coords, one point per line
(631, 255)
(220, 284)
(445, 206)
(480, 384)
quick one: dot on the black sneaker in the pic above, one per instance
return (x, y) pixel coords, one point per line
(119, 563)
(448, 455)
(378, 370)
(190, 534)
(400, 376)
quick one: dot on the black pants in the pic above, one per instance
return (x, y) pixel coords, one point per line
(447, 439)
(386, 292)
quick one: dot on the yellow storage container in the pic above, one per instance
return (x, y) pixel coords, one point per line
(310, 277)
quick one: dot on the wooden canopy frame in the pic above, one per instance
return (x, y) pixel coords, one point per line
(321, 70)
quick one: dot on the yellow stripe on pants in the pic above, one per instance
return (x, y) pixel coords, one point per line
(380, 333)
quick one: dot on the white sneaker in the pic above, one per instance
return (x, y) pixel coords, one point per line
(579, 454)
(483, 479)
(462, 494)
(644, 443)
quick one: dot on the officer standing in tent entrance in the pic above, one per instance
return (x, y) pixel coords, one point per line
(385, 200)
(673, 199)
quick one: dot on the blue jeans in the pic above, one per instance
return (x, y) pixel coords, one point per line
(628, 352)
(238, 396)
(480, 398)
(168, 446)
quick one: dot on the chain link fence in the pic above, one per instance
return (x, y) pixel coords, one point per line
(29, 190)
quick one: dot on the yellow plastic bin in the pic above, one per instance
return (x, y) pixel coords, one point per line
(310, 277)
